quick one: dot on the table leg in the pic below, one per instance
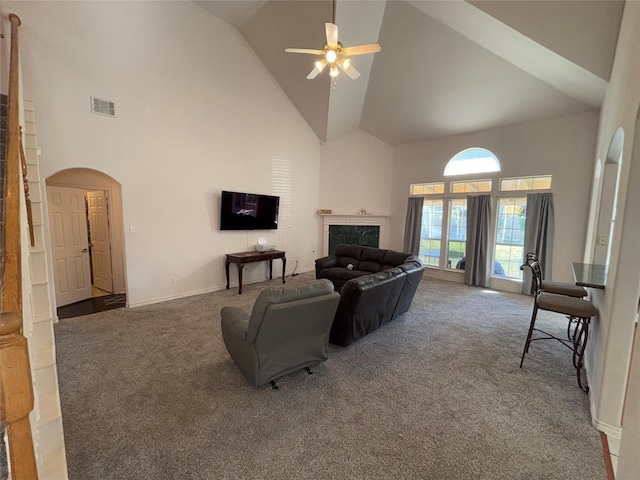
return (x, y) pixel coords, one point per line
(270, 269)
(284, 267)
(226, 269)
(240, 268)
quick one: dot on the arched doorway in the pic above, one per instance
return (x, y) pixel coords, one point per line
(608, 199)
(87, 237)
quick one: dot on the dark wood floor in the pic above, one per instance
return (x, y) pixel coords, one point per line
(92, 305)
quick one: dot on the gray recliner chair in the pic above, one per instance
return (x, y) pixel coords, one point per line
(288, 330)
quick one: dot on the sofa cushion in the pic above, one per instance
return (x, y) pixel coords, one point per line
(371, 259)
(344, 262)
(348, 255)
(393, 259)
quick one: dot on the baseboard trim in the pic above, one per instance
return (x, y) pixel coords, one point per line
(457, 276)
(610, 430)
(195, 292)
(173, 297)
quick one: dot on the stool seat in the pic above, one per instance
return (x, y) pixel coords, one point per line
(574, 307)
(563, 288)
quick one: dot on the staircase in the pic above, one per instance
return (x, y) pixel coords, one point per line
(32, 441)
(39, 316)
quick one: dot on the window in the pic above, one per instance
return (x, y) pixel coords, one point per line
(541, 182)
(457, 240)
(509, 247)
(426, 188)
(472, 160)
(443, 235)
(473, 186)
(431, 232)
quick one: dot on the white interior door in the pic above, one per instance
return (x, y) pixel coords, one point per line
(70, 244)
(98, 206)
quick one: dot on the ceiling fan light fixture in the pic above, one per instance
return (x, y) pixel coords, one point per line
(335, 54)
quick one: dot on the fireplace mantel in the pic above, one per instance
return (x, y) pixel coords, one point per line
(355, 219)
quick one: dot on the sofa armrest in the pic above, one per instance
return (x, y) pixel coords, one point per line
(325, 262)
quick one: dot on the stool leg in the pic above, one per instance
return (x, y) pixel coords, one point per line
(531, 325)
(580, 346)
(571, 336)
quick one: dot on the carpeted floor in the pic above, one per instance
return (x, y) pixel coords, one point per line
(151, 393)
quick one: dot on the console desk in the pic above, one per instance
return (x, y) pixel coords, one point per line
(242, 258)
(590, 275)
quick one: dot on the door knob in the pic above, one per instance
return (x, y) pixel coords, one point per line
(84, 250)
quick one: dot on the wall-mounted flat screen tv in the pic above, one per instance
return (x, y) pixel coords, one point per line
(248, 211)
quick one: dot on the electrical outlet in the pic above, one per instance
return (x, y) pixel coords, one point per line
(173, 279)
(602, 240)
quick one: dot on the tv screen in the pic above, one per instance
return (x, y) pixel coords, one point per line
(248, 211)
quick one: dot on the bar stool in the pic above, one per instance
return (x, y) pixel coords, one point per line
(549, 286)
(578, 311)
(561, 288)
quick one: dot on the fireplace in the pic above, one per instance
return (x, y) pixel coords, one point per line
(365, 235)
(367, 230)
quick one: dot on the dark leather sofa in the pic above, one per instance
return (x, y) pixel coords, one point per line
(375, 285)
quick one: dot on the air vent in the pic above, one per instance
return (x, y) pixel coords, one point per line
(103, 107)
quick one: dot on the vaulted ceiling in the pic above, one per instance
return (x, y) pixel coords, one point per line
(446, 67)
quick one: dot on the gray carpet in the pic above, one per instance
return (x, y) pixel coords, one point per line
(151, 393)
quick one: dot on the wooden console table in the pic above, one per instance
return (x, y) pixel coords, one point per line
(242, 258)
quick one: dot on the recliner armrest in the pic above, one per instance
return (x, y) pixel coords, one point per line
(236, 319)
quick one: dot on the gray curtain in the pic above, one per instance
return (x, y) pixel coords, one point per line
(538, 235)
(413, 224)
(477, 269)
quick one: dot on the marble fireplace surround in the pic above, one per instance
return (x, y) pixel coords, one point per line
(354, 220)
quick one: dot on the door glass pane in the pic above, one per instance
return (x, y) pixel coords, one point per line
(457, 233)
(510, 237)
(431, 232)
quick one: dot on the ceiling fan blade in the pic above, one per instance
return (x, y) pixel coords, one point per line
(313, 73)
(304, 50)
(349, 70)
(332, 34)
(362, 49)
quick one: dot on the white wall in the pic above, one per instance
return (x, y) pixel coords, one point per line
(355, 173)
(197, 113)
(562, 146)
(612, 332)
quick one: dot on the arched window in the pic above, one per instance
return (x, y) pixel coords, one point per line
(472, 160)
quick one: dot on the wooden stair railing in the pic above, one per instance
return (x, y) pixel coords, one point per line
(16, 388)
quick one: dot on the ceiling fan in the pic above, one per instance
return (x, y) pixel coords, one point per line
(334, 54)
